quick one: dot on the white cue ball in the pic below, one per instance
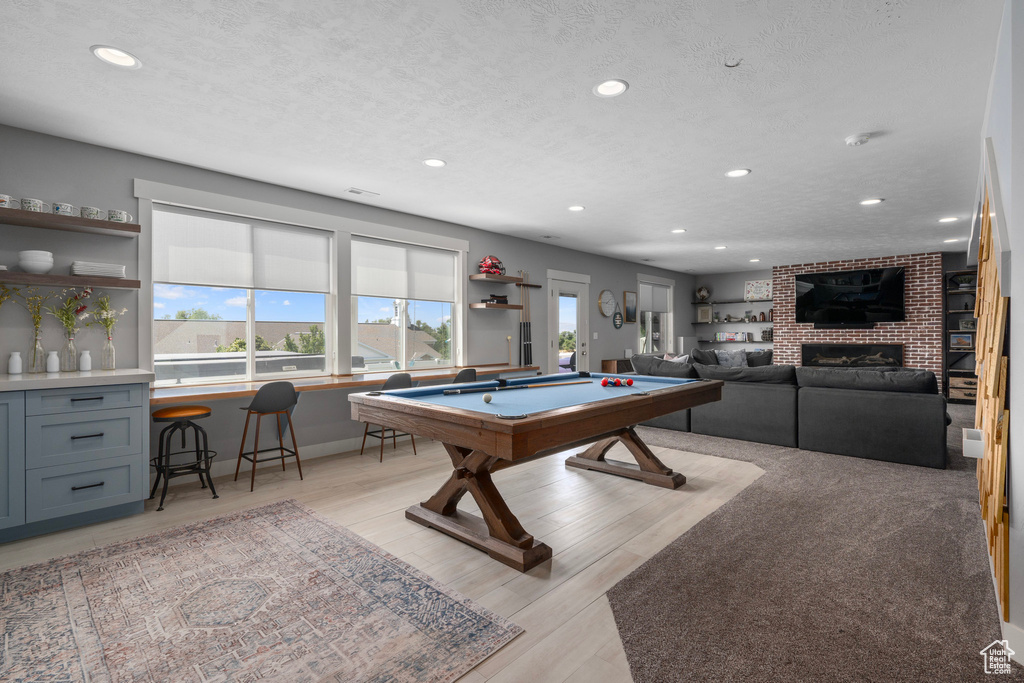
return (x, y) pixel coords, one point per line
(487, 398)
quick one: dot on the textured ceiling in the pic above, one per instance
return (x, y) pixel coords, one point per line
(324, 95)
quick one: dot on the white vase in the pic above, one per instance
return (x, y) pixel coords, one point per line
(85, 362)
(52, 362)
(14, 363)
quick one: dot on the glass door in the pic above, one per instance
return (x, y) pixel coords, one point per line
(568, 326)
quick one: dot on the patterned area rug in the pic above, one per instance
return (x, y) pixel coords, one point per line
(272, 593)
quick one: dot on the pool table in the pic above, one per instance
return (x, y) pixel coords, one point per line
(527, 418)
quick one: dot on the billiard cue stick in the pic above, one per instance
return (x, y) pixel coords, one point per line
(528, 344)
(487, 390)
(522, 338)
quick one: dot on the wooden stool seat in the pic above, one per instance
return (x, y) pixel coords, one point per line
(181, 413)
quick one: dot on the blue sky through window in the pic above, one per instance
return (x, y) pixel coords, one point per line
(229, 304)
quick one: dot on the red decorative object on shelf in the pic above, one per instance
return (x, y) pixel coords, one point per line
(492, 265)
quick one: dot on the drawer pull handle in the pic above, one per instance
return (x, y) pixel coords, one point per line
(88, 436)
(90, 486)
(91, 398)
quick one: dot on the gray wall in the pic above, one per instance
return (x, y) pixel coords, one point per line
(1002, 118)
(729, 287)
(51, 168)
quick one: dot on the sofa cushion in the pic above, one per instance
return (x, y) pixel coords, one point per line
(705, 356)
(667, 368)
(756, 359)
(869, 379)
(767, 374)
(642, 363)
(736, 358)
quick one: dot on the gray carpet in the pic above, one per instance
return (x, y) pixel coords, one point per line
(827, 568)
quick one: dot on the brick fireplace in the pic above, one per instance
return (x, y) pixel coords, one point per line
(920, 334)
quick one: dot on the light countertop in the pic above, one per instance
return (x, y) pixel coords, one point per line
(61, 380)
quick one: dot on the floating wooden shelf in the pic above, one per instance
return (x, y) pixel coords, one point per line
(971, 291)
(528, 284)
(493, 277)
(735, 301)
(712, 341)
(510, 307)
(960, 350)
(7, 277)
(50, 221)
(739, 322)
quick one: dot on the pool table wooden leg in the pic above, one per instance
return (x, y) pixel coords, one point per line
(498, 532)
(648, 468)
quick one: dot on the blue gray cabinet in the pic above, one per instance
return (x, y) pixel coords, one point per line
(82, 456)
(12, 459)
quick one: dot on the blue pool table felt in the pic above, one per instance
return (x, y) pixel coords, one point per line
(519, 402)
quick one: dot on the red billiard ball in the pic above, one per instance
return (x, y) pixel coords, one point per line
(629, 382)
(604, 382)
(618, 382)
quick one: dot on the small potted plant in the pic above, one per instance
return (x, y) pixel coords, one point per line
(106, 315)
(70, 313)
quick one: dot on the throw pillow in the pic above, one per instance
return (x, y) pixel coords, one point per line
(666, 368)
(756, 359)
(732, 359)
(642, 363)
(705, 356)
(678, 359)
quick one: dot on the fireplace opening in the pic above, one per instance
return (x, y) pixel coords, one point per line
(852, 355)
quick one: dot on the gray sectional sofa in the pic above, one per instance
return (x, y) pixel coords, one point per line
(891, 414)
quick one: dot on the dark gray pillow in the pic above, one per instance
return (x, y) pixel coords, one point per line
(642, 363)
(910, 381)
(666, 368)
(767, 374)
(704, 356)
(735, 358)
(756, 359)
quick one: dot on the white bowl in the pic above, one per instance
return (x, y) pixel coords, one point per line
(37, 267)
(35, 255)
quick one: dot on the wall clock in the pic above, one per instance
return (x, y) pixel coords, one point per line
(606, 302)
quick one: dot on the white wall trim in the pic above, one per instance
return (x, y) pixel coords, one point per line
(655, 279)
(565, 275)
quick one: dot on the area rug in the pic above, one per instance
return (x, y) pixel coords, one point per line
(827, 568)
(274, 593)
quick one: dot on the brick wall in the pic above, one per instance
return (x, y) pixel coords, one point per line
(920, 333)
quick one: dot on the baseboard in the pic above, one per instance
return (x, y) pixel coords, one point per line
(220, 468)
(1014, 637)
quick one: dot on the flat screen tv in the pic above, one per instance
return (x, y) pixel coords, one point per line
(851, 297)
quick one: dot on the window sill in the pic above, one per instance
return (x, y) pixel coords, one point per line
(212, 392)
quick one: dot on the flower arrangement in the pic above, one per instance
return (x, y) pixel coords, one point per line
(104, 314)
(72, 311)
(6, 294)
(33, 302)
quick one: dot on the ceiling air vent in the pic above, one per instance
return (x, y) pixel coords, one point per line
(361, 193)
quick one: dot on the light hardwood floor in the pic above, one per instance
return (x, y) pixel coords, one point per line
(600, 528)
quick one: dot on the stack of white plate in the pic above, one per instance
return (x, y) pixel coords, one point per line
(97, 269)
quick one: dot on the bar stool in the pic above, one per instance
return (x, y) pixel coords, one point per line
(465, 375)
(399, 380)
(181, 419)
(277, 399)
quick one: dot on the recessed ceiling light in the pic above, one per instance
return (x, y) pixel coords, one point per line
(116, 57)
(755, 260)
(738, 173)
(948, 219)
(720, 247)
(869, 202)
(434, 163)
(577, 208)
(955, 239)
(611, 88)
(679, 230)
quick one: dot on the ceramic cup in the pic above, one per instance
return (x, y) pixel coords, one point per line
(8, 202)
(62, 209)
(119, 216)
(29, 204)
(92, 213)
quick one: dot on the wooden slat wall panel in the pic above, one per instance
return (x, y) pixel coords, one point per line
(991, 416)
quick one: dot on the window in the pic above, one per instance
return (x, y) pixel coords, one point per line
(655, 317)
(403, 301)
(237, 299)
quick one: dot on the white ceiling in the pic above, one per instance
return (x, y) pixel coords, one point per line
(324, 95)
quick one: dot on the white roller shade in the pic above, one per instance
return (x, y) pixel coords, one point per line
(198, 248)
(292, 259)
(393, 270)
(653, 297)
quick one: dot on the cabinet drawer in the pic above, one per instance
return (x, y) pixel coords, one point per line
(79, 399)
(81, 437)
(957, 392)
(72, 489)
(964, 382)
